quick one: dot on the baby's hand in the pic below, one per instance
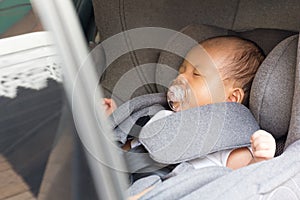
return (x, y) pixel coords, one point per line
(109, 106)
(263, 145)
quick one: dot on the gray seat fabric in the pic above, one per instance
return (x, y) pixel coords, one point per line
(294, 127)
(215, 127)
(115, 16)
(272, 91)
(273, 88)
(276, 179)
(125, 117)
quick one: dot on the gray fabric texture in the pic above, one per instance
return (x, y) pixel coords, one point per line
(184, 184)
(267, 14)
(267, 39)
(294, 128)
(127, 109)
(115, 16)
(272, 90)
(139, 161)
(143, 184)
(278, 178)
(125, 116)
(180, 169)
(198, 131)
(171, 140)
(124, 128)
(146, 182)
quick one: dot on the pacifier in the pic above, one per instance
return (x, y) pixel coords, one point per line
(179, 94)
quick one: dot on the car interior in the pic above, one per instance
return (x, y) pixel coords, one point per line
(39, 138)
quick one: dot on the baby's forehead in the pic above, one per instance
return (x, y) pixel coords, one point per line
(212, 55)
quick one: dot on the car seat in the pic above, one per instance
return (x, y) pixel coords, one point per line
(275, 77)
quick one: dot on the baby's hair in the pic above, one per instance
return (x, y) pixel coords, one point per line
(241, 63)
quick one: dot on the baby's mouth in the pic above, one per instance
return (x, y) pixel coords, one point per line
(176, 97)
(179, 94)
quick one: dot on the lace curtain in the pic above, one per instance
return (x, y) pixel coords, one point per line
(27, 61)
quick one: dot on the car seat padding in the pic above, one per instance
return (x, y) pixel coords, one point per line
(198, 131)
(272, 90)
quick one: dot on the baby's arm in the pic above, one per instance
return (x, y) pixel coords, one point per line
(263, 147)
(110, 106)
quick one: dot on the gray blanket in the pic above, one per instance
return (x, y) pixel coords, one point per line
(124, 117)
(185, 135)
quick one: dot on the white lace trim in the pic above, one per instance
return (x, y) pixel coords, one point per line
(27, 61)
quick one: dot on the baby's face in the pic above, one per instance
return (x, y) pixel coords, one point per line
(200, 71)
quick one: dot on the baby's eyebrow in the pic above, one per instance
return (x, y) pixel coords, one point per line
(198, 67)
(203, 69)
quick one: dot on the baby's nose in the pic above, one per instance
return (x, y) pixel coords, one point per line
(181, 76)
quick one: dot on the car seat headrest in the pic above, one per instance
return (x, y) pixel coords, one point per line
(272, 90)
(294, 128)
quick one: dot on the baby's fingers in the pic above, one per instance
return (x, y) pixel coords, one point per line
(261, 134)
(109, 105)
(262, 137)
(263, 144)
(107, 101)
(265, 154)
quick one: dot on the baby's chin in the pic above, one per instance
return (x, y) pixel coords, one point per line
(182, 108)
(175, 106)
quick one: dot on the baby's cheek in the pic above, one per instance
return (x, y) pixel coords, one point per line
(199, 99)
(216, 89)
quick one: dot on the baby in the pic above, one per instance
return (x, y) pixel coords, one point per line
(219, 69)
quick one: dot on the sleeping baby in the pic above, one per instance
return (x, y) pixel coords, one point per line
(219, 69)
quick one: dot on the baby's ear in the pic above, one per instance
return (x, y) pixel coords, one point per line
(236, 95)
